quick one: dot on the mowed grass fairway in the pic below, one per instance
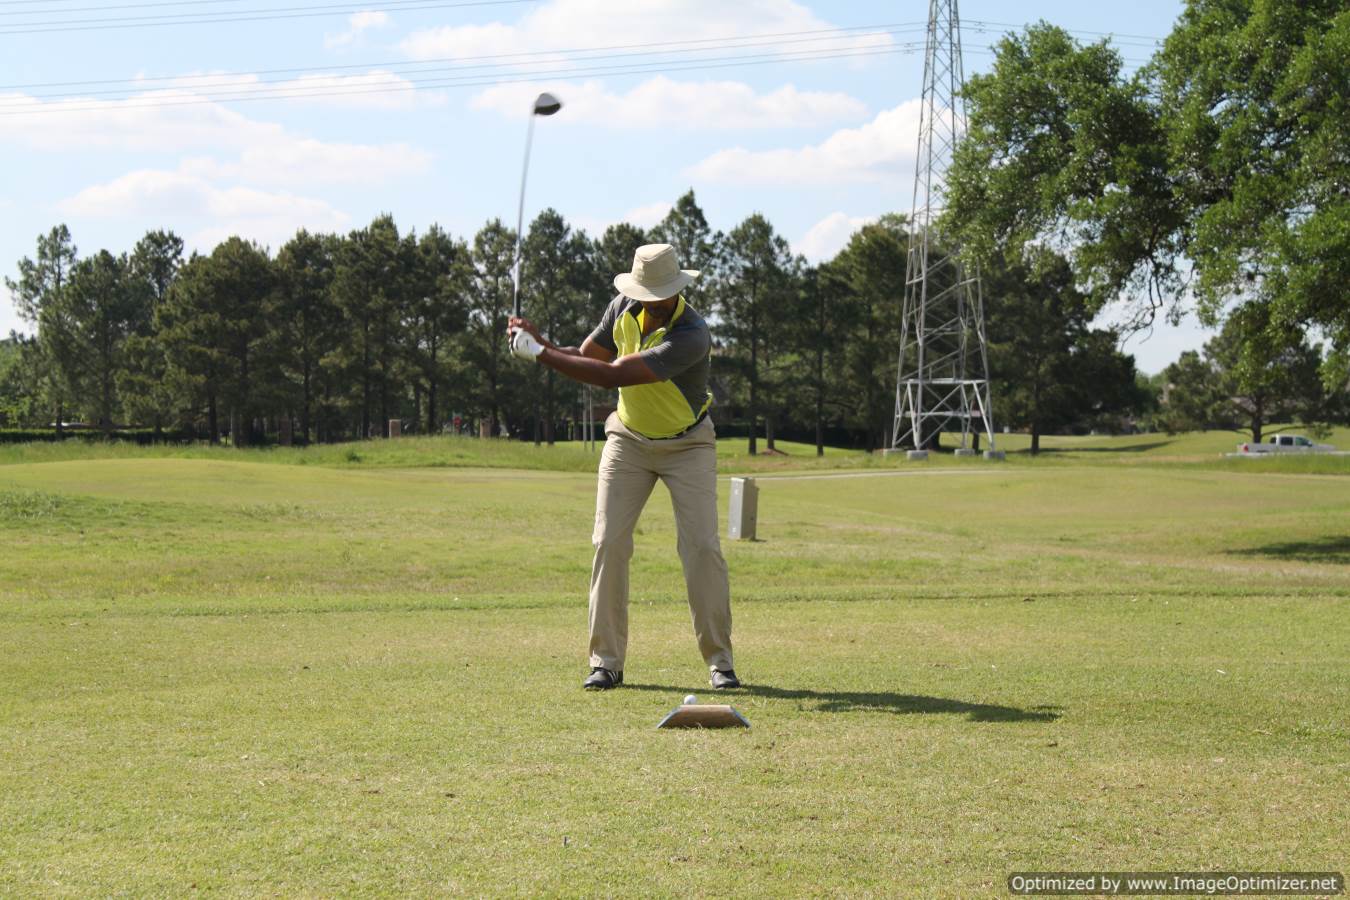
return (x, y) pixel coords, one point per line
(240, 675)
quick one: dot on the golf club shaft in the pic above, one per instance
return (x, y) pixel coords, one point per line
(520, 221)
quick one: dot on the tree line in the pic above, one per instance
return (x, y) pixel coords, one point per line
(339, 334)
(1212, 178)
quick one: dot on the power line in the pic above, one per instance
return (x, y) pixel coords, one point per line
(252, 90)
(397, 66)
(300, 92)
(73, 9)
(261, 88)
(222, 17)
(1111, 34)
(718, 44)
(468, 81)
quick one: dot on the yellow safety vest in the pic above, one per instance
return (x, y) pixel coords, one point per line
(659, 409)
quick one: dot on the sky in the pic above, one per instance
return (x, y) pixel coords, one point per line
(221, 117)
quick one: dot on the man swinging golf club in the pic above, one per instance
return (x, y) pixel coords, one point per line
(653, 347)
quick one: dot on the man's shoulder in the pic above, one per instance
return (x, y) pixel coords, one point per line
(617, 307)
(691, 319)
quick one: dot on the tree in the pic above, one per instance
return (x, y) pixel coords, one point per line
(369, 287)
(1191, 395)
(686, 229)
(1062, 150)
(241, 283)
(1247, 380)
(1050, 369)
(191, 330)
(494, 384)
(611, 254)
(106, 308)
(142, 383)
(556, 282)
(213, 324)
(863, 287)
(813, 331)
(20, 380)
(438, 311)
(42, 299)
(1218, 169)
(306, 318)
(1252, 98)
(755, 279)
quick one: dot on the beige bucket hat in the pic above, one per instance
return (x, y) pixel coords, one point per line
(656, 274)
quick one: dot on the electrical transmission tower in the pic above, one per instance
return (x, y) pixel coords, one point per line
(943, 378)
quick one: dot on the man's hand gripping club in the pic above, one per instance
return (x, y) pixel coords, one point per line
(589, 364)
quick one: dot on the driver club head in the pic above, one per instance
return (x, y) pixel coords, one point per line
(546, 104)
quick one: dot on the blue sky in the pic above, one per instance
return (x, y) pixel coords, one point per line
(162, 137)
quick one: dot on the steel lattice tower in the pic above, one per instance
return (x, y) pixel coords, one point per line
(943, 375)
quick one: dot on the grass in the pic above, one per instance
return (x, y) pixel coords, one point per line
(1199, 448)
(242, 674)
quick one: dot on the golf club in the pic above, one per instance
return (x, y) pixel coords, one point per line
(544, 105)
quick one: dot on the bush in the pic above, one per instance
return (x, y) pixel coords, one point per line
(142, 436)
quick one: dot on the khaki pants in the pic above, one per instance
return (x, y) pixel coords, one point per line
(629, 468)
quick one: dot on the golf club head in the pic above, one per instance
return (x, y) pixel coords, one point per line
(546, 104)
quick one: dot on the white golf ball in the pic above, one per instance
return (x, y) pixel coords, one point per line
(690, 699)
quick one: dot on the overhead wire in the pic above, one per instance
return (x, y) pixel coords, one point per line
(224, 17)
(107, 8)
(691, 43)
(1152, 39)
(441, 70)
(20, 108)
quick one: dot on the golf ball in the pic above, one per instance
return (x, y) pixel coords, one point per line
(690, 699)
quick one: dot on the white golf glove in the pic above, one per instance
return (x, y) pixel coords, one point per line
(524, 345)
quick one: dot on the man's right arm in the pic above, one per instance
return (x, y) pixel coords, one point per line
(590, 348)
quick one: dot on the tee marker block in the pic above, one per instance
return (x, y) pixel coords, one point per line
(704, 715)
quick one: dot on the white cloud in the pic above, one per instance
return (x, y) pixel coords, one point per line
(881, 149)
(571, 24)
(368, 19)
(267, 217)
(159, 192)
(190, 112)
(267, 153)
(177, 122)
(247, 185)
(648, 215)
(376, 89)
(357, 24)
(661, 102)
(831, 234)
(644, 216)
(308, 161)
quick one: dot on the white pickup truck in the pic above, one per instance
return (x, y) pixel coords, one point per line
(1283, 443)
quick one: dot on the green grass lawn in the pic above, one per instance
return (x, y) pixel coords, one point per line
(1205, 448)
(292, 673)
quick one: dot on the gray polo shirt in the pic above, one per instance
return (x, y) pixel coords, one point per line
(684, 357)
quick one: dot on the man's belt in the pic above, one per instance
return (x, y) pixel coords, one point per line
(697, 422)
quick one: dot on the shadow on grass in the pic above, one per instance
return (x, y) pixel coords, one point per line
(877, 701)
(1325, 550)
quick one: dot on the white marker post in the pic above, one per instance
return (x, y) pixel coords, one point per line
(744, 512)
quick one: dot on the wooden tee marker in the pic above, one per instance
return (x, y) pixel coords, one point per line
(704, 715)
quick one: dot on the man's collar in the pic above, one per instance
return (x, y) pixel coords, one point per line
(674, 317)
